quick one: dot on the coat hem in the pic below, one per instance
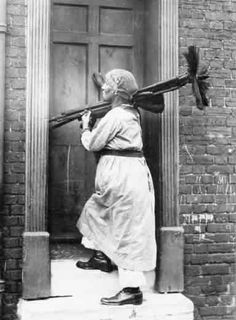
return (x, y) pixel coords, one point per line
(120, 260)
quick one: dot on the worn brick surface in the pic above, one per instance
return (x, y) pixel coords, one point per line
(14, 155)
(208, 158)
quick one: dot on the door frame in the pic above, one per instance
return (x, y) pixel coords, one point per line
(162, 45)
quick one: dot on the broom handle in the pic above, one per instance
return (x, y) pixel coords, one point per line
(163, 85)
(71, 112)
(171, 84)
(154, 89)
(100, 109)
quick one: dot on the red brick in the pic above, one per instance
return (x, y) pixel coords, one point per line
(221, 218)
(16, 231)
(220, 227)
(10, 199)
(233, 288)
(10, 220)
(221, 159)
(11, 287)
(199, 208)
(220, 237)
(222, 169)
(214, 289)
(15, 189)
(201, 248)
(14, 178)
(232, 217)
(212, 301)
(188, 248)
(224, 208)
(15, 146)
(221, 247)
(185, 209)
(207, 179)
(230, 83)
(199, 169)
(192, 271)
(226, 300)
(15, 9)
(215, 269)
(185, 189)
(13, 253)
(11, 264)
(18, 168)
(193, 291)
(203, 159)
(17, 209)
(207, 311)
(199, 259)
(13, 275)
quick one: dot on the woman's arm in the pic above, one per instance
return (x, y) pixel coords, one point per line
(100, 135)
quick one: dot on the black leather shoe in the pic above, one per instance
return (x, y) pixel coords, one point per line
(125, 296)
(99, 261)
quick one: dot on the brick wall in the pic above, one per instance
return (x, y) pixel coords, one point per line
(14, 166)
(208, 159)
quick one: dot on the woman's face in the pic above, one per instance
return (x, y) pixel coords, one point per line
(107, 92)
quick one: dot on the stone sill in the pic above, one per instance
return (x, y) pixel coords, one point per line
(75, 294)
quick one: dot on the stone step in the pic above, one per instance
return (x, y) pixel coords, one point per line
(76, 295)
(155, 307)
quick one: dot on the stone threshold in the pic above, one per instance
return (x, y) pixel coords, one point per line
(76, 293)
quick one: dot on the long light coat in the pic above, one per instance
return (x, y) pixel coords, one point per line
(119, 217)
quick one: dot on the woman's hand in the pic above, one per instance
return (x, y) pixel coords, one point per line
(85, 120)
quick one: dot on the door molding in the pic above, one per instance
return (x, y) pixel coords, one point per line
(36, 262)
(36, 238)
(162, 131)
(168, 64)
(171, 235)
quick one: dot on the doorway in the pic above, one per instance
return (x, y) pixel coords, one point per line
(160, 46)
(86, 36)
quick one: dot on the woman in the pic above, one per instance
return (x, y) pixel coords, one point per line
(118, 220)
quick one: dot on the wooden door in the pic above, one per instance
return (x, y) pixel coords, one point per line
(86, 36)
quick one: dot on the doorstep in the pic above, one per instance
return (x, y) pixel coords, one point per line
(76, 293)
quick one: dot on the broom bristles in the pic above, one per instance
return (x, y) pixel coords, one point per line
(192, 57)
(196, 77)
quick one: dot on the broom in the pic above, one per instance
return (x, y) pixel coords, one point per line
(193, 75)
(149, 98)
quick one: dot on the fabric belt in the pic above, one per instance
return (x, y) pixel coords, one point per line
(122, 153)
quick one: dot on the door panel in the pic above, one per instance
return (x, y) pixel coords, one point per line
(86, 36)
(70, 17)
(69, 87)
(115, 57)
(116, 21)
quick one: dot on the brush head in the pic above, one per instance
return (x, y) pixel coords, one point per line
(196, 77)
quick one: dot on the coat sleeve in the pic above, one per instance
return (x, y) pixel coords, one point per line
(100, 135)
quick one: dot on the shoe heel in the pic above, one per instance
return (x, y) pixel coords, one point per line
(138, 301)
(106, 268)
